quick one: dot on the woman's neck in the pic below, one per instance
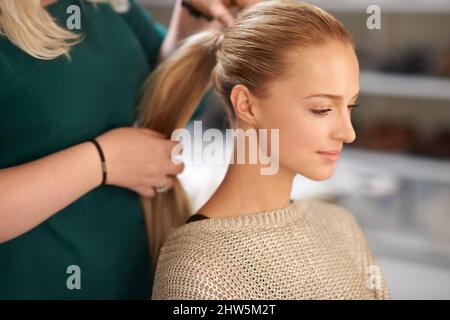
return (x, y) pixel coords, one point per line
(245, 190)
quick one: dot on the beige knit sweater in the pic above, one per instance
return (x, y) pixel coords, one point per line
(308, 250)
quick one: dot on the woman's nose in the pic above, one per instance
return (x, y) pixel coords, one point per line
(344, 131)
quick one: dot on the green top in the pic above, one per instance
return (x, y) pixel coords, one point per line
(47, 106)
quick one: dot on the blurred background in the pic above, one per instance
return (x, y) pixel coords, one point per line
(396, 177)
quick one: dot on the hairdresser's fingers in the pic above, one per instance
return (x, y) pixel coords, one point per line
(173, 147)
(220, 12)
(176, 154)
(174, 169)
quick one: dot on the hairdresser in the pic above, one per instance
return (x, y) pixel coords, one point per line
(72, 163)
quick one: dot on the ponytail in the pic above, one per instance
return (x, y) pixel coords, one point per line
(248, 53)
(170, 96)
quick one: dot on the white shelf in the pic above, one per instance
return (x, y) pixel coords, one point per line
(402, 166)
(394, 6)
(396, 85)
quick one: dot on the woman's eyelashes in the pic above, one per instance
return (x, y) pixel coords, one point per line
(323, 111)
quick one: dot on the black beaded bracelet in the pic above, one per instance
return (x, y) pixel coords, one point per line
(194, 11)
(102, 157)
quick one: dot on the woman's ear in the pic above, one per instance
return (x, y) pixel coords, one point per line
(245, 105)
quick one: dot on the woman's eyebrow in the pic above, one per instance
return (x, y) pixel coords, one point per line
(329, 96)
(356, 96)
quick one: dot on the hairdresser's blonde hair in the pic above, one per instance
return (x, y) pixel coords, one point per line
(252, 53)
(31, 28)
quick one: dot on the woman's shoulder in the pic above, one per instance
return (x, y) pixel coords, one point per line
(325, 208)
(334, 215)
(189, 249)
(187, 241)
(191, 265)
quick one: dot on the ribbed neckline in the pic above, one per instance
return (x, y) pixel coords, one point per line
(287, 214)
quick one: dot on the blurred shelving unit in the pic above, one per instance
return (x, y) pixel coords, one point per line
(409, 86)
(375, 83)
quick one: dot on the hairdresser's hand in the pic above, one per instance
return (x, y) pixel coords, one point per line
(220, 9)
(139, 159)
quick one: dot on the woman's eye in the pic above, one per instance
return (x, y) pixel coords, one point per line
(321, 112)
(352, 106)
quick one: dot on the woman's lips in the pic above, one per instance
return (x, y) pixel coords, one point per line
(330, 155)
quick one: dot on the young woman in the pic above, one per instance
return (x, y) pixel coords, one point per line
(66, 230)
(284, 65)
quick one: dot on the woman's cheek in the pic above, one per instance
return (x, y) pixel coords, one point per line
(307, 133)
(297, 142)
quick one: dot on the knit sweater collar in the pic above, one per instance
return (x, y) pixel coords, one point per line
(259, 219)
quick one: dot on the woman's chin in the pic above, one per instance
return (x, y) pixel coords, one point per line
(320, 175)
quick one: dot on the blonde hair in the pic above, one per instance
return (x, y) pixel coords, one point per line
(31, 28)
(252, 53)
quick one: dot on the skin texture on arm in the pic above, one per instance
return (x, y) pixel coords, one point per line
(29, 193)
(136, 159)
